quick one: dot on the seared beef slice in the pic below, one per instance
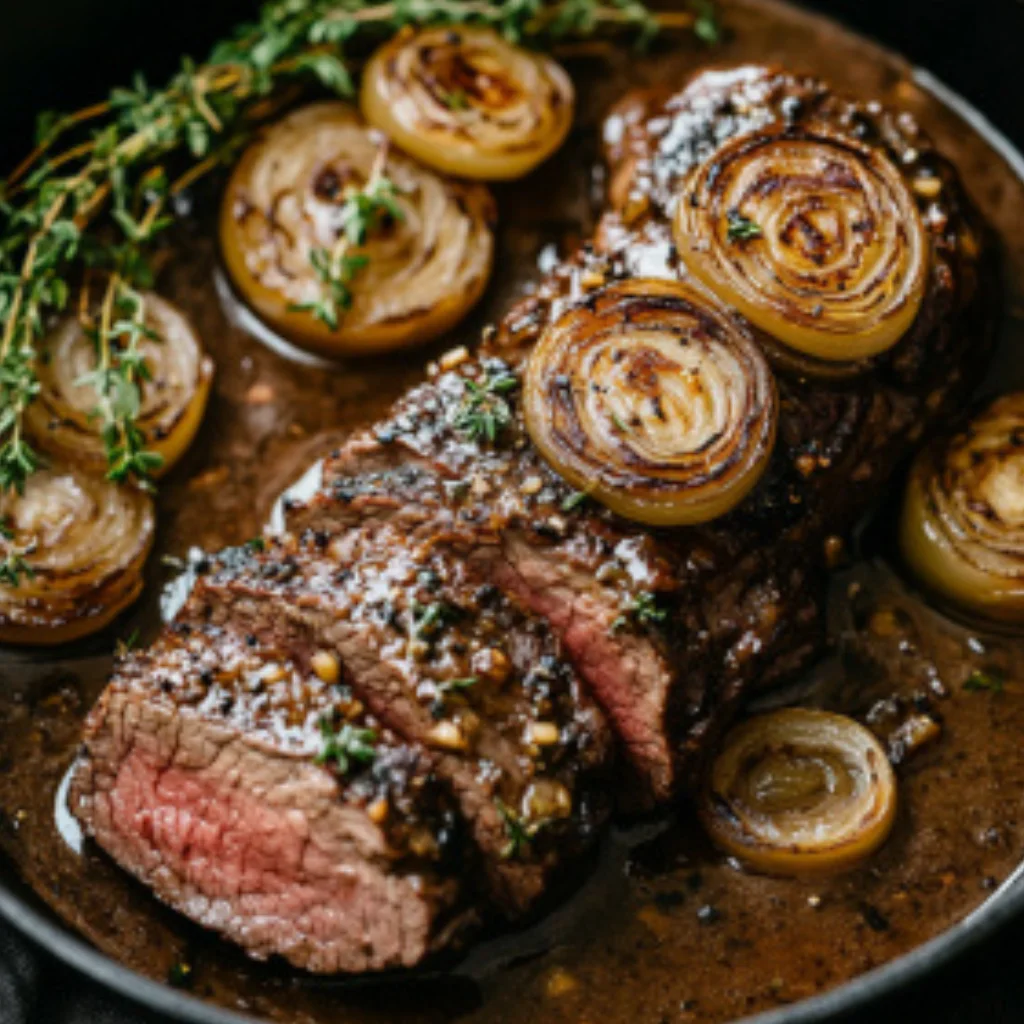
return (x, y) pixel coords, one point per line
(493, 629)
(447, 661)
(198, 775)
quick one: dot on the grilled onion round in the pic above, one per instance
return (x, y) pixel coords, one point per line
(815, 238)
(798, 792)
(173, 398)
(425, 270)
(654, 401)
(962, 529)
(467, 102)
(84, 541)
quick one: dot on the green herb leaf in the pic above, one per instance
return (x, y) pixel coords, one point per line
(347, 747)
(993, 681)
(642, 610)
(741, 229)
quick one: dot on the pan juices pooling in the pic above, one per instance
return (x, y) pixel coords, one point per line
(564, 559)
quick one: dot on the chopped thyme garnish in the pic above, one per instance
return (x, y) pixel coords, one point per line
(429, 620)
(127, 645)
(742, 229)
(642, 610)
(455, 100)
(457, 685)
(520, 834)
(179, 975)
(575, 501)
(256, 544)
(13, 566)
(346, 747)
(993, 681)
(485, 412)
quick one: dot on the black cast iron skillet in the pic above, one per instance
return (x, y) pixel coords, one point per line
(54, 53)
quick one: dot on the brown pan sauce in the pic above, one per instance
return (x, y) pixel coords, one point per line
(662, 928)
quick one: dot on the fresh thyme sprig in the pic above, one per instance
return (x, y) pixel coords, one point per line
(485, 412)
(363, 212)
(101, 204)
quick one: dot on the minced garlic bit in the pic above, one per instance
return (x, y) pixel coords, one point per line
(928, 188)
(377, 812)
(453, 358)
(544, 734)
(326, 666)
(448, 735)
(559, 983)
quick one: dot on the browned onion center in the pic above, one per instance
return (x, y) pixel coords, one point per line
(815, 238)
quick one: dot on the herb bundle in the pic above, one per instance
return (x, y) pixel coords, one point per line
(95, 209)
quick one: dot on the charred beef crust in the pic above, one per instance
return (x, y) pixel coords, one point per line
(742, 596)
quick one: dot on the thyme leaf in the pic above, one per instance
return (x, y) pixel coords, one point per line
(346, 747)
(642, 610)
(979, 680)
(742, 229)
(519, 832)
(13, 566)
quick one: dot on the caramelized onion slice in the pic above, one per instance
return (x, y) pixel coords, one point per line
(814, 237)
(798, 792)
(962, 529)
(654, 401)
(84, 541)
(467, 102)
(174, 396)
(425, 269)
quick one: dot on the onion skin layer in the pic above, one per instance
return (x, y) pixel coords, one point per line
(87, 541)
(654, 401)
(174, 399)
(425, 272)
(814, 237)
(468, 103)
(785, 757)
(962, 527)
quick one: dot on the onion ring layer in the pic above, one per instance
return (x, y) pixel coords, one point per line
(962, 530)
(83, 542)
(174, 396)
(284, 202)
(467, 102)
(798, 792)
(815, 238)
(654, 401)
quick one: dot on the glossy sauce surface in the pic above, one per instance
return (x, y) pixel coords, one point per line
(661, 927)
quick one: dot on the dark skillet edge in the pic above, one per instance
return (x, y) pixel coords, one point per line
(856, 994)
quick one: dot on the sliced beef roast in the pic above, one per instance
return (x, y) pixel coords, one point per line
(200, 776)
(446, 660)
(448, 594)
